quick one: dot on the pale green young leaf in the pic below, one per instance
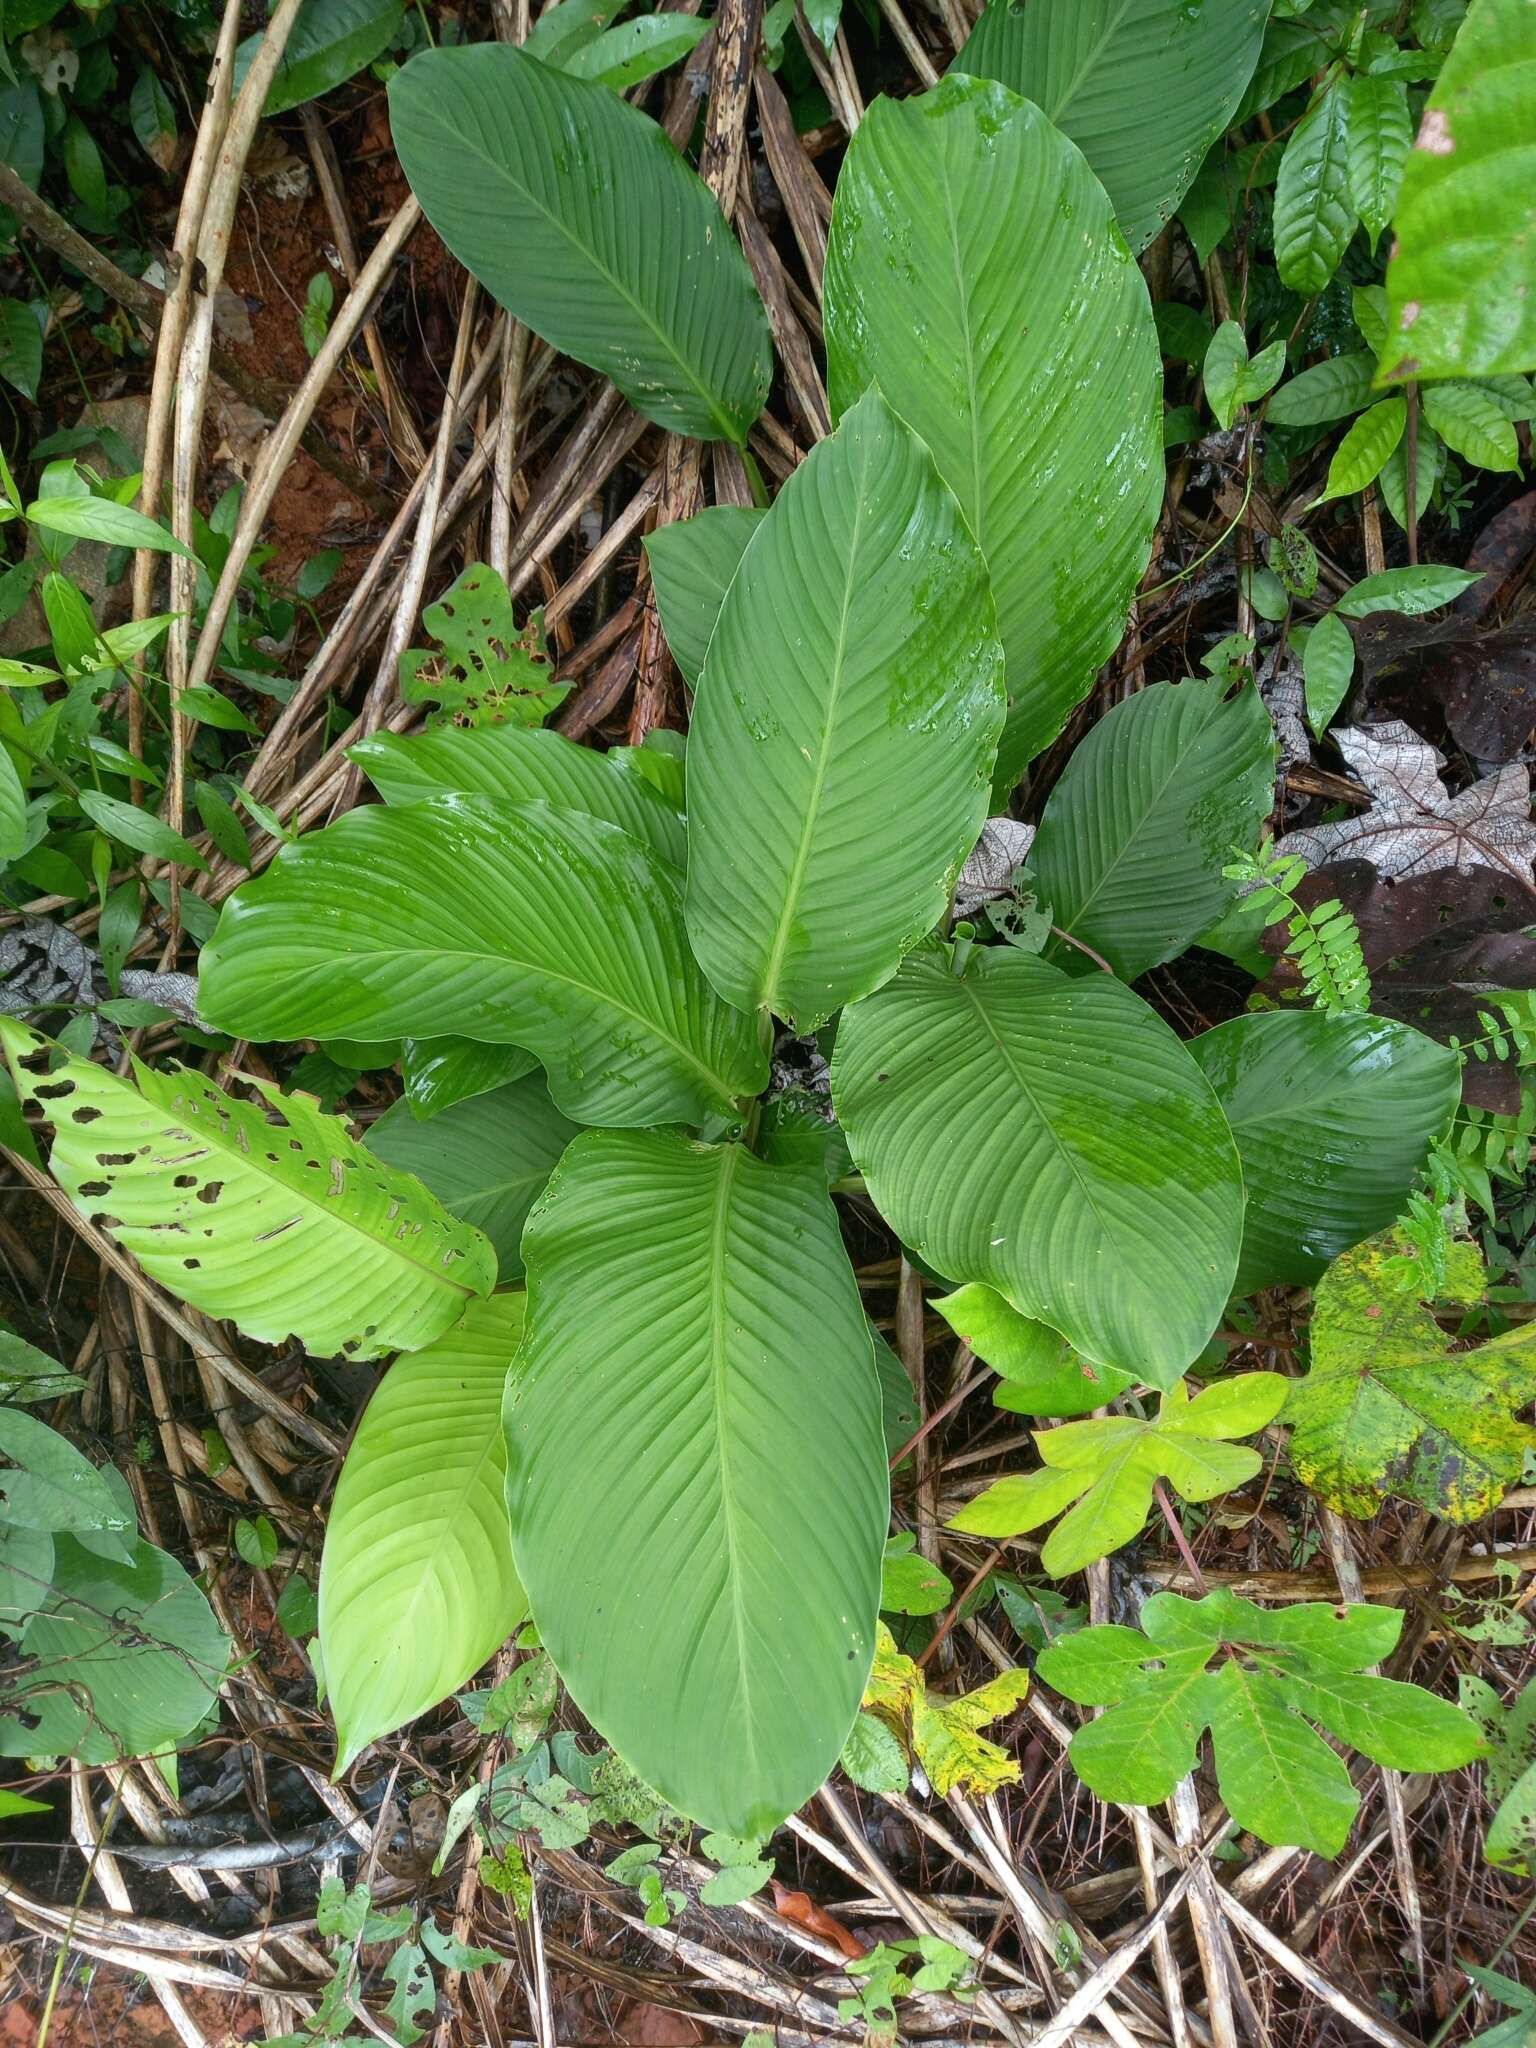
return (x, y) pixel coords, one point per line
(805, 885)
(1469, 422)
(1358, 459)
(1380, 130)
(692, 563)
(576, 212)
(1013, 278)
(417, 1584)
(1314, 212)
(1040, 1372)
(1225, 361)
(667, 1335)
(1094, 1144)
(270, 1215)
(1388, 1406)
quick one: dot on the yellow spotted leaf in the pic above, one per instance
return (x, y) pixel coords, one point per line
(939, 1733)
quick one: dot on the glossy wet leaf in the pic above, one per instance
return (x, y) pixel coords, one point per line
(486, 1159)
(1389, 1407)
(50, 1485)
(943, 1733)
(965, 223)
(438, 1072)
(1094, 1146)
(1333, 1117)
(1039, 1371)
(330, 42)
(1314, 212)
(1134, 836)
(268, 1213)
(1459, 283)
(1285, 1669)
(1363, 452)
(806, 885)
(1380, 129)
(1099, 1475)
(696, 1470)
(1471, 424)
(417, 1584)
(1143, 88)
(512, 922)
(692, 563)
(575, 211)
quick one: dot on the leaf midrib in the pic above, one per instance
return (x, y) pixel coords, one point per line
(719, 1368)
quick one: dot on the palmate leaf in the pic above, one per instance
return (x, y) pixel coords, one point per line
(697, 1475)
(575, 211)
(1284, 1669)
(1134, 836)
(1333, 1117)
(1097, 1187)
(806, 884)
(1143, 87)
(692, 562)
(1389, 1408)
(1103, 1471)
(417, 1584)
(975, 274)
(516, 923)
(486, 1159)
(1459, 295)
(522, 765)
(272, 1216)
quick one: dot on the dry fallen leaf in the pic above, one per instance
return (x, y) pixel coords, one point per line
(803, 1910)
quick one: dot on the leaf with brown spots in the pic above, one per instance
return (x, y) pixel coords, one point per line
(1389, 1407)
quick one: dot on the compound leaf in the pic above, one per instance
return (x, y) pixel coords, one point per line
(805, 883)
(1388, 1407)
(417, 1585)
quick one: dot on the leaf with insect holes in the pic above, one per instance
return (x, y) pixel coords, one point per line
(1389, 1407)
(940, 1733)
(1509, 1772)
(1103, 1471)
(1284, 1669)
(1459, 283)
(271, 1214)
(1413, 826)
(488, 673)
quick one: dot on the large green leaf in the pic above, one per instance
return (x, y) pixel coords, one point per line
(330, 42)
(417, 1584)
(1135, 835)
(1051, 1137)
(521, 764)
(844, 729)
(486, 1159)
(577, 213)
(268, 1213)
(976, 275)
(1143, 87)
(692, 562)
(1460, 297)
(440, 1071)
(1332, 1116)
(696, 1468)
(518, 924)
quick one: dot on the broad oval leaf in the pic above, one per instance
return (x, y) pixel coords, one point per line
(1051, 1137)
(515, 923)
(806, 883)
(1143, 87)
(1459, 294)
(1333, 1116)
(522, 764)
(575, 211)
(417, 1584)
(330, 42)
(486, 1159)
(1135, 835)
(274, 1217)
(976, 275)
(696, 1468)
(692, 563)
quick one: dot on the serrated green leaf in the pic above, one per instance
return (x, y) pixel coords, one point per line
(1459, 283)
(692, 563)
(1041, 1373)
(1142, 89)
(1134, 836)
(1103, 1471)
(805, 886)
(1380, 130)
(1358, 459)
(516, 923)
(1388, 1407)
(697, 1478)
(1094, 1145)
(1333, 1117)
(1468, 421)
(575, 211)
(271, 1215)
(1314, 213)
(417, 1584)
(963, 220)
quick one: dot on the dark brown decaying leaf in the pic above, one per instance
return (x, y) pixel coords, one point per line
(1482, 684)
(1437, 946)
(1501, 550)
(1414, 826)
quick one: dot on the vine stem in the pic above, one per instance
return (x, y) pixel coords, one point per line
(1191, 1564)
